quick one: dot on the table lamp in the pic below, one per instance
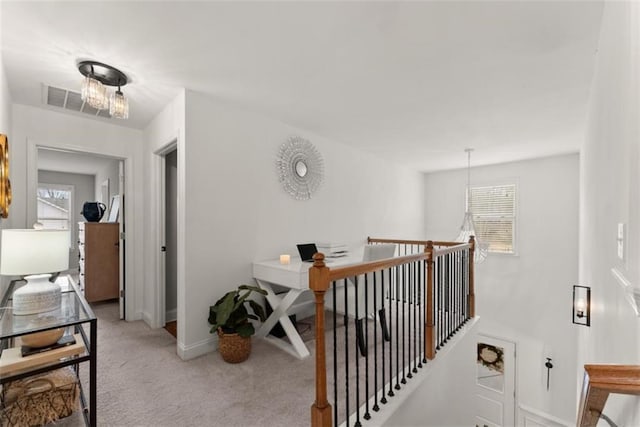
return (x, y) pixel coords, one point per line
(34, 254)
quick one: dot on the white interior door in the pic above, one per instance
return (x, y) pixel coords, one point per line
(495, 382)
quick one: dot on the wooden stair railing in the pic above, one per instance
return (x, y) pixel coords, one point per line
(599, 382)
(321, 276)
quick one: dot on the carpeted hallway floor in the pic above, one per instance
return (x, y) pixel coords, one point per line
(142, 382)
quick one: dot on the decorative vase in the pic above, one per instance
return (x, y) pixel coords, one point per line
(233, 347)
(93, 211)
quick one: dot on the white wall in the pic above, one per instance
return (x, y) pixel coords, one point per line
(235, 211)
(610, 194)
(35, 127)
(165, 130)
(5, 128)
(525, 298)
(110, 172)
(84, 191)
(446, 391)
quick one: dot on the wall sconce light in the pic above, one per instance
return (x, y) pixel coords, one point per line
(582, 305)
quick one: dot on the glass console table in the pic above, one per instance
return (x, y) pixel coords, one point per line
(76, 316)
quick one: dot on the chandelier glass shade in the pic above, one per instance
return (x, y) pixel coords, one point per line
(119, 105)
(94, 91)
(468, 227)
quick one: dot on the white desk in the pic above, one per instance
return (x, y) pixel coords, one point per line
(295, 277)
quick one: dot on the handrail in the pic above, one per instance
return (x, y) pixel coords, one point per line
(599, 382)
(410, 242)
(371, 266)
(451, 249)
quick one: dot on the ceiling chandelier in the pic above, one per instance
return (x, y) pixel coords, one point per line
(468, 228)
(94, 91)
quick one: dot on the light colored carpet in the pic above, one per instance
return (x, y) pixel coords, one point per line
(142, 382)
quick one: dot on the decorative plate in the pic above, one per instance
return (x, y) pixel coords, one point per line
(300, 168)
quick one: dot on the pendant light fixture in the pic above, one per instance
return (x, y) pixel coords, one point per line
(468, 228)
(94, 93)
(119, 105)
(97, 76)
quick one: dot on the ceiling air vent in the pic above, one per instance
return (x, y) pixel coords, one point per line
(69, 100)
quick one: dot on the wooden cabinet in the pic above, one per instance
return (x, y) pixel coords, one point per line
(99, 265)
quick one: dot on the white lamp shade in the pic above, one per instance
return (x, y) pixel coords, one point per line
(27, 252)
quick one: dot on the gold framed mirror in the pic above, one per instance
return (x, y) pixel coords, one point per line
(5, 184)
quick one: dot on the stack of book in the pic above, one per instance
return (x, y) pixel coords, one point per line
(333, 250)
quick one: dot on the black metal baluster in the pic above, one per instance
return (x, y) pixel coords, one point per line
(466, 284)
(443, 293)
(468, 290)
(447, 299)
(383, 322)
(346, 349)
(461, 293)
(412, 313)
(422, 292)
(391, 336)
(454, 319)
(401, 337)
(359, 344)
(367, 415)
(450, 285)
(375, 343)
(398, 290)
(437, 313)
(335, 356)
(458, 289)
(447, 289)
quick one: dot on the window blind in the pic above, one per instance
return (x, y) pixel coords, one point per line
(494, 215)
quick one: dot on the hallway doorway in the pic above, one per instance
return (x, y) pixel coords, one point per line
(170, 246)
(81, 177)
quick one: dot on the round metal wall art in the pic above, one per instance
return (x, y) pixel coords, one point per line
(300, 167)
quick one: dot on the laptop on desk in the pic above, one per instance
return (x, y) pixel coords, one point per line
(307, 250)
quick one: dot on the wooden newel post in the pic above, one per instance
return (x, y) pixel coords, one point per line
(319, 283)
(430, 336)
(472, 291)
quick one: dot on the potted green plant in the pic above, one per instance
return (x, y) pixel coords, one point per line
(230, 319)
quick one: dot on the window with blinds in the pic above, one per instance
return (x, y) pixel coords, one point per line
(494, 215)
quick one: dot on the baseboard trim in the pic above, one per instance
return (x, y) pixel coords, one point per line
(197, 349)
(529, 416)
(171, 315)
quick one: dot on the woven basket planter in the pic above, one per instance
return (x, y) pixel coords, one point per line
(233, 347)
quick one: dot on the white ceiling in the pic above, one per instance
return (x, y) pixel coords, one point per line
(416, 82)
(73, 162)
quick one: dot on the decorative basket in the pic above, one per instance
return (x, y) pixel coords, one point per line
(233, 347)
(41, 399)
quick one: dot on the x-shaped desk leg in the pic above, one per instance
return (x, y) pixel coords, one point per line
(281, 314)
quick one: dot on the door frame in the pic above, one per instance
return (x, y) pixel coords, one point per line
(160, 236)
(479, 338)
(32, 214)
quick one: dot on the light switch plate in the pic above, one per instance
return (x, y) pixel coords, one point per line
(620, 240)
